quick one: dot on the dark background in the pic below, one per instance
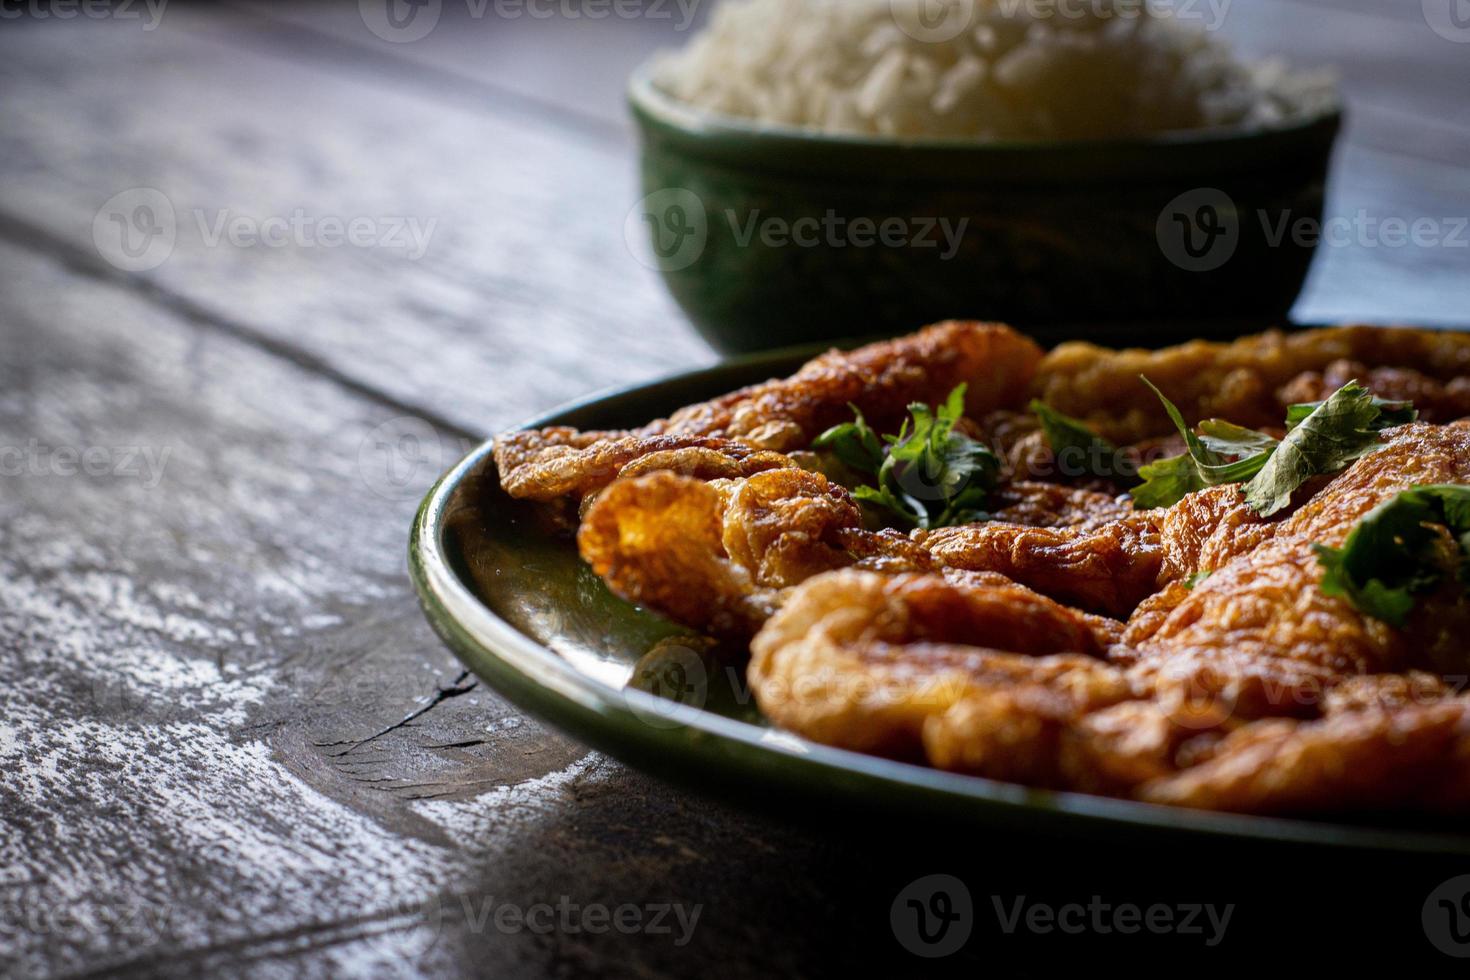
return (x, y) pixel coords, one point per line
(228, 741)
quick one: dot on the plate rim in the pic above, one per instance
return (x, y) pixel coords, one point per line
(613, 721)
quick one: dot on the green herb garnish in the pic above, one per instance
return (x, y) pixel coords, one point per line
(1205, 463)
(1330, 437)
(1197, 578)
(1076, 447)
(1390, 413)
(1322, 437)
(1389, 557)
(928, 475)
(854, 443)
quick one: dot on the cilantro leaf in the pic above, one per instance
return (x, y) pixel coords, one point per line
(1229, 439)
(1389, 557)
(1197, 578)
(1206, 461)
(1322, 437)
(1390, 413)
(1073, 443)
(1166, 482)
(854, 443)
(929, 475)
(1335, 434)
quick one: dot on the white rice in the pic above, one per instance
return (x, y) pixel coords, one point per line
(995, 70)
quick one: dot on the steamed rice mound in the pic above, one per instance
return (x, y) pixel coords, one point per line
(1013, 70)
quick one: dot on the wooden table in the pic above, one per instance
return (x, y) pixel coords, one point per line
(228, 741)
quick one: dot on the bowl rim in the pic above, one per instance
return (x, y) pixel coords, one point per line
(656, 109)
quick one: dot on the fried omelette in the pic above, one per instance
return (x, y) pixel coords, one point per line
(737, 434)
(1191, 654)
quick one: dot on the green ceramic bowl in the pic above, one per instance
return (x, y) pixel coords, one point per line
(770, 236)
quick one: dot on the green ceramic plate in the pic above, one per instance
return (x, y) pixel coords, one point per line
(517, 606)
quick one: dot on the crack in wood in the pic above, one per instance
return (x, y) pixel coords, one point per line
(454, 690)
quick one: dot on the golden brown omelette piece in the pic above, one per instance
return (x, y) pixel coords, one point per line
(713, 555)
(545, 464)
(737, 434)
(1263, 602)
(1107, 568)
(1250, 381)
(1250, 690)
(862, 660)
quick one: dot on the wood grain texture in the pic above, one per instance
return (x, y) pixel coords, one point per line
(228, 742)
(525, 265)
(228, 733)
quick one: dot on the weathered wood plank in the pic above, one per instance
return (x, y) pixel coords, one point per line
(1391, 63)
(526, 294)
(207, 645)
